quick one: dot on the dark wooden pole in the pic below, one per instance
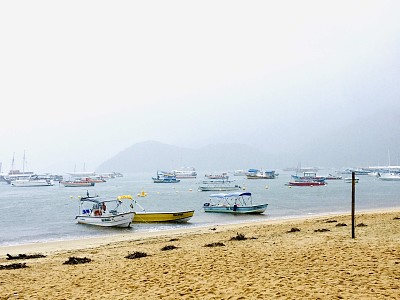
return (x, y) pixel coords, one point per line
(353, 204)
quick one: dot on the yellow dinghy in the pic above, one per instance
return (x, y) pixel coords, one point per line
(177, 217)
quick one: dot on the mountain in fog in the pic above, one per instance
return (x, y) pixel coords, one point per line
(366, 142)
(152, 156)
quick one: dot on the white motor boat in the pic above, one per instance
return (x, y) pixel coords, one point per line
(104, 212)
(389, 176)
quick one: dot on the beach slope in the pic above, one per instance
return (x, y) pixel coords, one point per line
(313, 258)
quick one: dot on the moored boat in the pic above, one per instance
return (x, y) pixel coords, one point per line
(234, 203)
(185, 173)
(260, 174)
(389, 176)
(218, 185)
(77, 183)
(104, 212)
(175, 217)
(165, 177)
(32, 181)
(306, 183)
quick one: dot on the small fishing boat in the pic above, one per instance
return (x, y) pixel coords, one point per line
(234, 203)
(77, 183)
(260, 174)
(165, 177)
(153, 217)
(98, 211)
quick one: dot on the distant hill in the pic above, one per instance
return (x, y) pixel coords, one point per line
(364, 143)
(151, 156)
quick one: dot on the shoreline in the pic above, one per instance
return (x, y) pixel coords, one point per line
(310, 257)
(48, 247)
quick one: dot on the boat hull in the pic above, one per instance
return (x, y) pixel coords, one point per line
(176, 217)
(232, 209)
(217, 188)
(306, 183)
(119, 220)
(77, 184)
(31, 183)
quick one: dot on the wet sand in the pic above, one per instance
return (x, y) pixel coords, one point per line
(311, 258)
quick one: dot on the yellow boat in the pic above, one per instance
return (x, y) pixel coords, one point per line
(177, 217)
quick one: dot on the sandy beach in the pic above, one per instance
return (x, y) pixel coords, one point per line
(313, 258)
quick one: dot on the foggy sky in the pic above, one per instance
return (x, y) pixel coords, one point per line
(81, 81)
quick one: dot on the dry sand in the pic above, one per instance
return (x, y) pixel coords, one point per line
(271, 263)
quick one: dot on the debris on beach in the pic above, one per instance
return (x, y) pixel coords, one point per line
(13, 266)
(321, 230)
(238, 237)
(341, 224)
(213, 228)
(173, 240)
(136, 254)
(77, 260)
(293, 229)
(396, 218)
(169, 247)
(217, 244)
(361, 225)
(24, 256)
(330, 221)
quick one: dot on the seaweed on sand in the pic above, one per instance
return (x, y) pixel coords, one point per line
(293, 229)
(136, 254)
(239, 237)
(24, 256)
(168, 247)
(321, 230)
(77, 260)
(217, 244)
(13, 266)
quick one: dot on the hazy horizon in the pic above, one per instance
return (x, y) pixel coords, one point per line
(84, 80)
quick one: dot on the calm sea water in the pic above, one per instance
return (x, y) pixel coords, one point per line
(39, 214)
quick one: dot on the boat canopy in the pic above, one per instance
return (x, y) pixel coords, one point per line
(98, 200)
(222, 195)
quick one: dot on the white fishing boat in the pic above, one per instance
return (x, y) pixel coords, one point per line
(104, 212)
(234, 203)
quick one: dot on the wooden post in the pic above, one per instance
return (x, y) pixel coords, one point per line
(353, 204)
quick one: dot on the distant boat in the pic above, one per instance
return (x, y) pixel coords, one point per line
(389, 176)
(31, 181)
(218, 185)
(234, 203)
(260, 174)
(222, 176)
(306, 183)
(165, 177)
(77, 183)
(185, 173)
(308, 176)
(350, 180)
